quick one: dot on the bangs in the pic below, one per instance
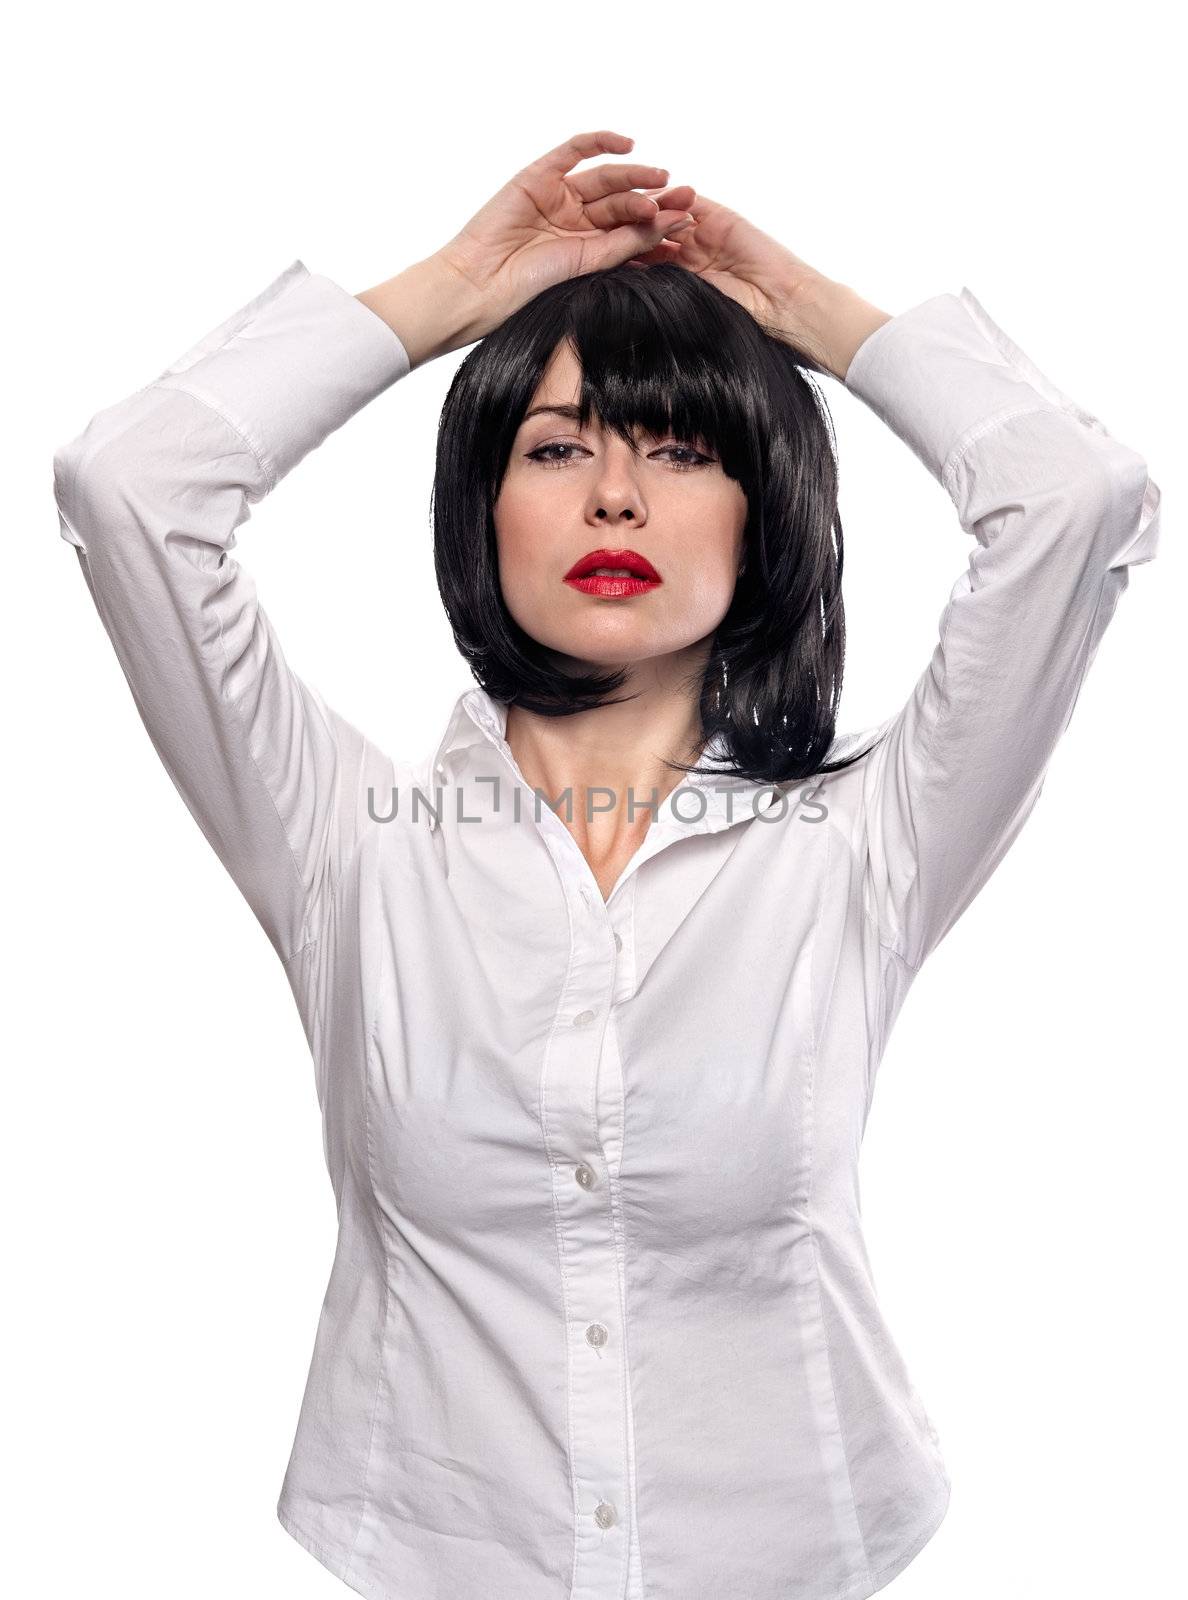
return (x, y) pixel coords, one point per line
(658, 373)
(655, 354)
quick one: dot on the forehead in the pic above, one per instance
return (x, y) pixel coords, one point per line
(561, 381)
(632, 390)
(556, 400)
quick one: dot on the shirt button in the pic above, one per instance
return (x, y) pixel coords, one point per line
(618, 942)
(583, 1019)
(604, 1515)
(584, 1175)
(596, 1335)
(585, 897)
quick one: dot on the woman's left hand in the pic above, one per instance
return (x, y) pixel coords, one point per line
(821, 318)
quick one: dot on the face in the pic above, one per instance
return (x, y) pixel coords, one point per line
(569, 492)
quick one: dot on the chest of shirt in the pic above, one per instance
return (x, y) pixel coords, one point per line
(482, 1019)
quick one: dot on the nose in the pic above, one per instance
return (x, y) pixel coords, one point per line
(615, 493)
(619, 500)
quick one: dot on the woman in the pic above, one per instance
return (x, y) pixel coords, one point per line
(594, 1070)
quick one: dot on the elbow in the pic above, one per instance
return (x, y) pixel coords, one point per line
(1130, 521)
(66, 464)
(95, 472)
(92, 478)
(1116, 495)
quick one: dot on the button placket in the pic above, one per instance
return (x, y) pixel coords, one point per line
(624, 941)
(590, 1273)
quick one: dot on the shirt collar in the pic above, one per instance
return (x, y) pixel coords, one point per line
(477, 718)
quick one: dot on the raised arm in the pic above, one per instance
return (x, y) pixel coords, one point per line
(1060, 511)
(151, 494)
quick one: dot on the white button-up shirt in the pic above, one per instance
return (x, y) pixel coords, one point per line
(601, 1323)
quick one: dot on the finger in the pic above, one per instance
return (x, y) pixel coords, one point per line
(680, 198)
(697, 204)
(632, 240)
(632, 208)
(617, 209)
(701, 205)
(562, 157)
(666, 250)
(614, 177)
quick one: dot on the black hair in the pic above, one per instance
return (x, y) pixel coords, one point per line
(662, 349)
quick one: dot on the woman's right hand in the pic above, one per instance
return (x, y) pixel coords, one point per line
(548, 224)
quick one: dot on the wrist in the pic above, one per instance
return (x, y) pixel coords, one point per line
(430, 308)
(830, 322)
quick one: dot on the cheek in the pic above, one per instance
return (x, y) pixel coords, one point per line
(525, 512)
(710, 563)
(709, 584)
(526, 526)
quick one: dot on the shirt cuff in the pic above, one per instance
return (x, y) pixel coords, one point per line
(936, 373)
(291, 366)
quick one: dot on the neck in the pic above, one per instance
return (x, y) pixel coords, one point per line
(619, 747)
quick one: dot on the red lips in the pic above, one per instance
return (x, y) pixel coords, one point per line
(635, 574)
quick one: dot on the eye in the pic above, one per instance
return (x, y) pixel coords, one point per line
(698, 460)
(543, 454)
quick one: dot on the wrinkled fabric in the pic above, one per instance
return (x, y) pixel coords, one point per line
(600, 1323)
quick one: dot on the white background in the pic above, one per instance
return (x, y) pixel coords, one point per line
(169, 1222)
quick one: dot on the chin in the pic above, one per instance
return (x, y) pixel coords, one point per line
(603, 652)
(608, 642)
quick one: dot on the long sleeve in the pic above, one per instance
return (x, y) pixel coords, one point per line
(150, 496)
(1060, 511)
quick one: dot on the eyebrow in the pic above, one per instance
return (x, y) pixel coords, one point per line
(570, 412)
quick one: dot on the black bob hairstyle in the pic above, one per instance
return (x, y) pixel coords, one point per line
(660, 348)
